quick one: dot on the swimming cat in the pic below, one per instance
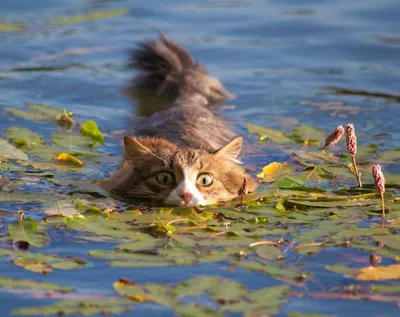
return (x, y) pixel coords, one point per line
(182, 154)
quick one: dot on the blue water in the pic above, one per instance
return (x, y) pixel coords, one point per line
(277, 56)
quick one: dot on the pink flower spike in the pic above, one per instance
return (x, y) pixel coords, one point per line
(379, 178)
(351, 140)
(334, 136)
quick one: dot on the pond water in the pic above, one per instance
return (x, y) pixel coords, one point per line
(291, 63)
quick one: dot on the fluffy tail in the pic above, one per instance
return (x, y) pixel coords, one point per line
(167, 71)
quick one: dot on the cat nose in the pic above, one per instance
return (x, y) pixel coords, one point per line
(186, 197)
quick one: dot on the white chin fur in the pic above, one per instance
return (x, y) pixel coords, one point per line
(187, 186)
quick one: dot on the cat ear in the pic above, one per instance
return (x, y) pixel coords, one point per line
(134, 148)
(231, 150)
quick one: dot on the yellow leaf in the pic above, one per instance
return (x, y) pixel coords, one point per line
(377, 273)
(69, 159)
(274, 170)
(137, 298)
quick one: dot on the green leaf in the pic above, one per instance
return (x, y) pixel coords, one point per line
(42, 263)
(11, 27)
(89, 128)
(272, 269)
(342, 269)
(71, 140)
(97, 224)
(268, 134)
(89, 17)
(7, 282)
(288, 182)
(295, 314)
(27, 231)
(364, 153)
(391, 289)
(194, 310)
(309, 135)
(8, 151)
(84, 307)
(36, 112)
(23, 137)
(390, 155)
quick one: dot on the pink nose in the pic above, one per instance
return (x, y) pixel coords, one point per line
(186, 197)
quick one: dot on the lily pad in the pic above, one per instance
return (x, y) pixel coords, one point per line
(9, 283)
(308, 135)
(23, 137)
(89, 17)
(27, 231)
(8, 151)
(79, 307)
(268, 134)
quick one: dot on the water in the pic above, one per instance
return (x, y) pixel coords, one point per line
(277, 56)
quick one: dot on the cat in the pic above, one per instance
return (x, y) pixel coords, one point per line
(181, 153)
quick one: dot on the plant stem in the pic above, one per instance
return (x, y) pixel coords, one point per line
(383, 208)
(353, 157)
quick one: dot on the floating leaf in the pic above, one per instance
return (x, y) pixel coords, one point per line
(36, 112)
(288, 182)
(8, 151)
(89, 128)
(89, 17)
(23, 137)
(295, 314)
(393, 289)
(11, 27)
(27, 231)
(308, 135)
(379, 273)
(42, 263)
(274, 170)
(64, 157)
(364, 153)
(390, 155)
(272, 269)
(268, 134)
(60, 208)
(97, 224)
(103, 306)
(342, 269)
(194, 310)
(71, 140)
(7, 282)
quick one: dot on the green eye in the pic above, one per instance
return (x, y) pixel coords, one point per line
(205, 180)
(165, 178)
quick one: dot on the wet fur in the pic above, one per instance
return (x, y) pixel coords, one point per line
(183, 133)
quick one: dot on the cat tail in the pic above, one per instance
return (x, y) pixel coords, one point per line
(167, 71)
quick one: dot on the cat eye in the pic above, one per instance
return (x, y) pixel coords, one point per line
(165, 178)
(205, 180)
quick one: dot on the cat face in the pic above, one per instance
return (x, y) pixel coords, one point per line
(161, 173)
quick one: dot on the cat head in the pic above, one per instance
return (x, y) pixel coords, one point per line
(163, 174)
